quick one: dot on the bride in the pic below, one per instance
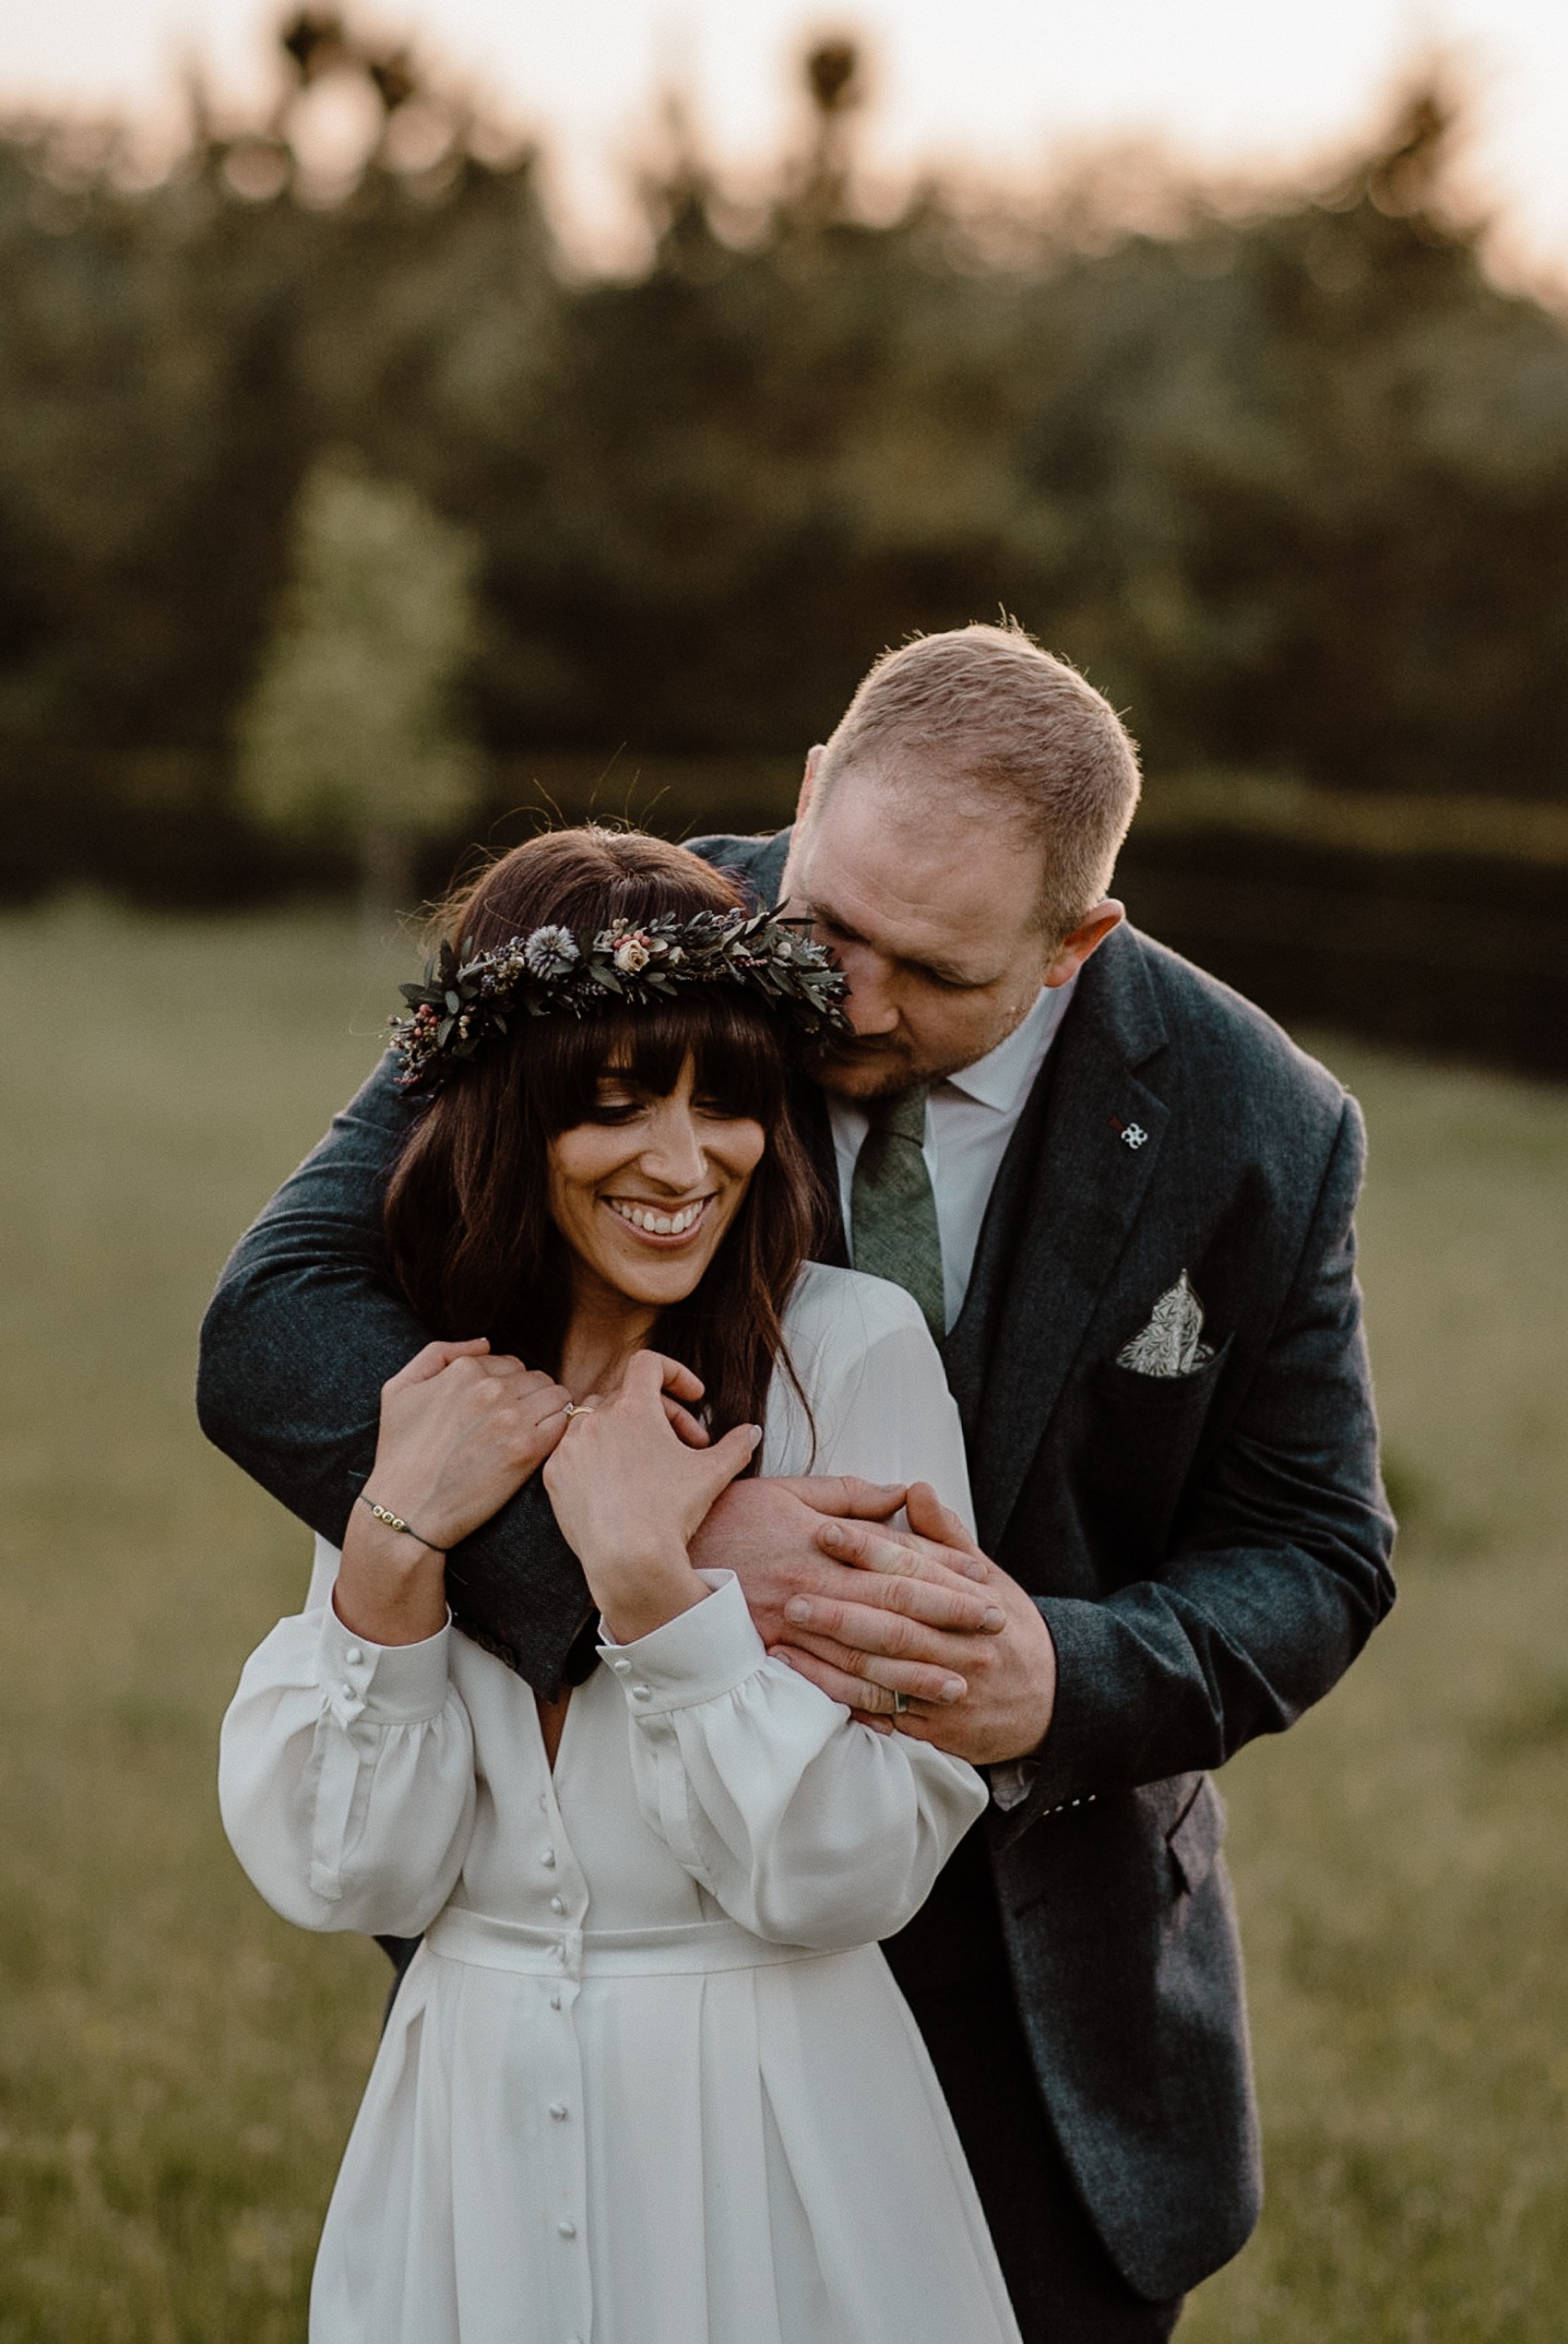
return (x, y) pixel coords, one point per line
(648, 2079)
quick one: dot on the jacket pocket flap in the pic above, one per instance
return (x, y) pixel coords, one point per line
(1196, 1838)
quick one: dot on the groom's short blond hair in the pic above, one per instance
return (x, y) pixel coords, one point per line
(985, 709)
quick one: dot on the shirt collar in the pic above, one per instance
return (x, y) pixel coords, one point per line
(1004, 1076)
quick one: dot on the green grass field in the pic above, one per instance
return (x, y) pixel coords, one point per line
(178, 2069)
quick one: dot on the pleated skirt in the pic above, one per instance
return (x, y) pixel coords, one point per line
(633, 2151)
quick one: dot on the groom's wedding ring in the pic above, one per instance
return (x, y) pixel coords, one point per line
(900, 1704)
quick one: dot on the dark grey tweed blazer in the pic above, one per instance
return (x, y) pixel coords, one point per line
(1210, 1553)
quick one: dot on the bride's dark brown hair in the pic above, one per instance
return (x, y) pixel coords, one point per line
(467, 1215)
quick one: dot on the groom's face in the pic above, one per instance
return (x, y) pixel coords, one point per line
(932, 909)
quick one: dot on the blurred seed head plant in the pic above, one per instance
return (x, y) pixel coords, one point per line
(353, 733)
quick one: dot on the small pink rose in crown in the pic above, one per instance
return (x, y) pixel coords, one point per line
(467, 995)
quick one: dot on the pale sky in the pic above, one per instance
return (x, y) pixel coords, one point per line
(1000, 83)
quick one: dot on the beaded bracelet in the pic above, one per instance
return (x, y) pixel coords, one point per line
(396, 1522)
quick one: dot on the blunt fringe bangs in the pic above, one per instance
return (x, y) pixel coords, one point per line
(467, 1212)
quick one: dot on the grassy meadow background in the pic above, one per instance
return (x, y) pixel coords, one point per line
(178, 2069)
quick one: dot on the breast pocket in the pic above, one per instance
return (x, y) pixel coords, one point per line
(1138, 1435)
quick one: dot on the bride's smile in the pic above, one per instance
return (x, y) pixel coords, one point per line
(663, 1226)
(645, 1191)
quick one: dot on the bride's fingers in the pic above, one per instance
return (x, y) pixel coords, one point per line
(552, 1399)
(727, 1458)
(672, 1375)
(432, 1361)
(694, 1433)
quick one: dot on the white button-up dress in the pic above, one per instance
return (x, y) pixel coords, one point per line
(648, 2079)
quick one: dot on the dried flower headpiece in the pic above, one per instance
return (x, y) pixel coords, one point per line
(467, 995)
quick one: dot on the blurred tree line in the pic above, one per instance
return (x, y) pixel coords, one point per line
(1292, 482)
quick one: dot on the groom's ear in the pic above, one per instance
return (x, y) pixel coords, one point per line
(1086, 937)
(808, 781)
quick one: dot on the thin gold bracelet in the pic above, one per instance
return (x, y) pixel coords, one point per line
(396, 1522)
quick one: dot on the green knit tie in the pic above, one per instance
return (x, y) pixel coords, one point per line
(894, 1230)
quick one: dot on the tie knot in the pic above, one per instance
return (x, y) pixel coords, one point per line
(902, 1116)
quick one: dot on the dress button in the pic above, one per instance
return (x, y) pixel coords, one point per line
(353, 1656)
(347, 1690)
(547, 1858)
(568, 2230)
(622, 1667)
(557, 1904)
(558, 2109)
(641, 1693)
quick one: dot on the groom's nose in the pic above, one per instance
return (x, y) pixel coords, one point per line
(872, 1006)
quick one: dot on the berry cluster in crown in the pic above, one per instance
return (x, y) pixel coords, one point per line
(468, 996)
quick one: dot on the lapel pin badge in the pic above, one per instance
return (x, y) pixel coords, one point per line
(1131, 1136)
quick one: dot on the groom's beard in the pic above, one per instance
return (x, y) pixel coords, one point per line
(874, 1068)
(865, 1067)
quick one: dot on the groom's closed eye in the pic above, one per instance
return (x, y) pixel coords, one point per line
(946, 978)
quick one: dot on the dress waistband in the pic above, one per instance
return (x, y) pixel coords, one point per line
(459, 1935)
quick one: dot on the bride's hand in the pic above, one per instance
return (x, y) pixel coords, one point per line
(461, 1431)
(460, 1434)
(629, 1493)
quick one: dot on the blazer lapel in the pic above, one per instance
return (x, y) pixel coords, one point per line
(1082, 1185)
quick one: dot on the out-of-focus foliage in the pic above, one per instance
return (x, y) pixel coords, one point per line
(1292, 485)
(349, 734)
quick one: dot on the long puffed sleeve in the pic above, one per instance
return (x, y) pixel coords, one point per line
(807, 1828)
(346, 1776)
(880, 1406)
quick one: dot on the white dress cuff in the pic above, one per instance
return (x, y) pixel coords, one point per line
(388, 1683)
(700, 1655)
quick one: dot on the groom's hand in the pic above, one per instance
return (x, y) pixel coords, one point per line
(924, 1601)
(842, 1642)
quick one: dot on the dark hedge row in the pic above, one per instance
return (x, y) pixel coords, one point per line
(1292, 487)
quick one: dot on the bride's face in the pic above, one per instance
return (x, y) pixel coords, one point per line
(644, 1192)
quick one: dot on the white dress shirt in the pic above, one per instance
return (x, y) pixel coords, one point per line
(969, 1118)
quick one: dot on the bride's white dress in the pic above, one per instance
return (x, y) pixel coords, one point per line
(649, 2080)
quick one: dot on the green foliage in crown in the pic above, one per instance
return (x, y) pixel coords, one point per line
(467, 997)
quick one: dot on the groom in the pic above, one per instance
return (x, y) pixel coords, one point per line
(1123, 1200)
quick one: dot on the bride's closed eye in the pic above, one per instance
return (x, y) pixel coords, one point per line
(616, 1104)
(619, 1105)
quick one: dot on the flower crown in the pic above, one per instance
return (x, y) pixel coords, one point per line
(466, 997)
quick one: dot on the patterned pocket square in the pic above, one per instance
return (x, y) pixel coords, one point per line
(1171, 1344)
